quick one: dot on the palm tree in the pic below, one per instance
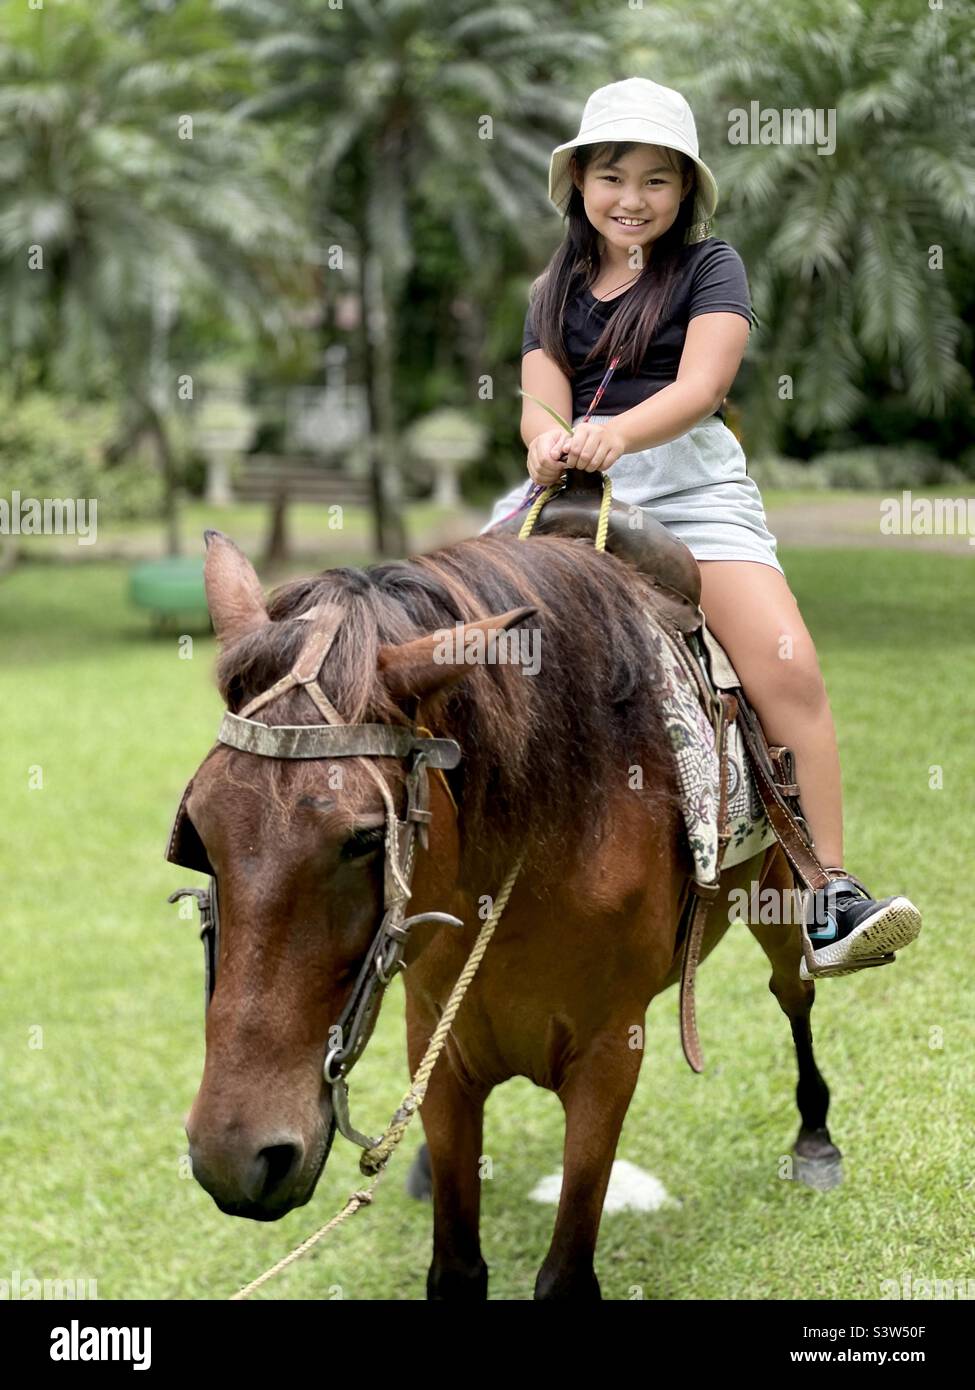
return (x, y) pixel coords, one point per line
(449, 106)
(133, 208)
(837, 246)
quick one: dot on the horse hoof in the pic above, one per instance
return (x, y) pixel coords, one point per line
(819, 1173)
(818, 1162)
(419, 1180)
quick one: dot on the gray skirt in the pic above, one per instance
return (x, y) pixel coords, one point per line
(697, 486)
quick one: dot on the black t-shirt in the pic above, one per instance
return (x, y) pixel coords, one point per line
(711, 279)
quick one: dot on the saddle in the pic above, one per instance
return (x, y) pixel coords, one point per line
(674, 598)
(634, 535)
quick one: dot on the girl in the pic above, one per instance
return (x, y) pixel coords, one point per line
(639, 277)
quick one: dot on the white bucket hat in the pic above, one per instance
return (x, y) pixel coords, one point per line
(639, 110)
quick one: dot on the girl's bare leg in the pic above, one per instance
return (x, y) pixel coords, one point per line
(754, 615)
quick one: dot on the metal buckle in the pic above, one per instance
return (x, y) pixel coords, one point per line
(206, 902)
(377, 971)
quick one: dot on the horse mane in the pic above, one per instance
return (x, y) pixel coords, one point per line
(543, 755)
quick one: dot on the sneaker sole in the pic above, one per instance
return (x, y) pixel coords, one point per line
(891, 929)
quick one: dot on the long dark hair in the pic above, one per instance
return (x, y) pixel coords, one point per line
(576, 265)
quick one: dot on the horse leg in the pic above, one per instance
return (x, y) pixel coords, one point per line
(453, 1119)
(595, 1097)
(419, 1179)
(817, 1160)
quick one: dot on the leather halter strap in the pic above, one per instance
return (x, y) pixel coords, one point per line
(328, 619)
(335, 739)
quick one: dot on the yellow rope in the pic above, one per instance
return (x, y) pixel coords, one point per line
(602, 526)
(378, 1156)
(374, 1160)
(532, 516)
(355, 1201)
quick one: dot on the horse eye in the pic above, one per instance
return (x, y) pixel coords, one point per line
(364, 842)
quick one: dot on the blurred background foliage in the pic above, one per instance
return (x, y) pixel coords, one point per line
(191, 184)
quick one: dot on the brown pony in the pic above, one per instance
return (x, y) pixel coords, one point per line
(589, 937)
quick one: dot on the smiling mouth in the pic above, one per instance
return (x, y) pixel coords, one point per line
(631, 221)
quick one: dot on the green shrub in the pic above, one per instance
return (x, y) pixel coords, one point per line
(966, 463)
(51, 446)
(771, 470)
(886, 466)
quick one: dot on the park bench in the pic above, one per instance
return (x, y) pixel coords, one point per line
(280, 480)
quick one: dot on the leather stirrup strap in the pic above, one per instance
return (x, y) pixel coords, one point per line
(689, 1040)
(803, 860)
(703, 895)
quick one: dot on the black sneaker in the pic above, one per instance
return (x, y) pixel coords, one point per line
(849, 930)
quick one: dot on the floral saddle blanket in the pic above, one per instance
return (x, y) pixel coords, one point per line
(692, 739)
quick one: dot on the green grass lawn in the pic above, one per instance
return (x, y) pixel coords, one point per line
(308, 530)
(310, 534)
(102, 1022)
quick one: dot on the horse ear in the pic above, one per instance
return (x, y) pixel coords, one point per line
(430, 663)
(234, 594)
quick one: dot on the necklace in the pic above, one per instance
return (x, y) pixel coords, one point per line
(602, 298)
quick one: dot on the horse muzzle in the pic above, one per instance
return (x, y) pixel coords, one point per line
(260, 1174)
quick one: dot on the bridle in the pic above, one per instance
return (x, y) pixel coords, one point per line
(332, 739)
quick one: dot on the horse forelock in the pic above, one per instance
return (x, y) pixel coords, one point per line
(544, 754)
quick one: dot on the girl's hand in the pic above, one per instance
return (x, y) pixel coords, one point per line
(545, 462)
(594, 448)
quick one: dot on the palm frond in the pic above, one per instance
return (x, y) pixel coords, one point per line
(550, 410)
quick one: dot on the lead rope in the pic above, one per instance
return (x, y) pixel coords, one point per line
(374, 1160)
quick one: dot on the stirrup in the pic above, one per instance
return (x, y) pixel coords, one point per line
(812, 969)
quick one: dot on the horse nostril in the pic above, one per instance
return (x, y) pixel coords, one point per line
(279, 1161)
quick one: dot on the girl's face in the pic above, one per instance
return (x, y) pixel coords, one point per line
(641, 188)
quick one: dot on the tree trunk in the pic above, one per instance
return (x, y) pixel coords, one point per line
(276, 546)
(383, 446)
(472, 334)
(167, 463)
